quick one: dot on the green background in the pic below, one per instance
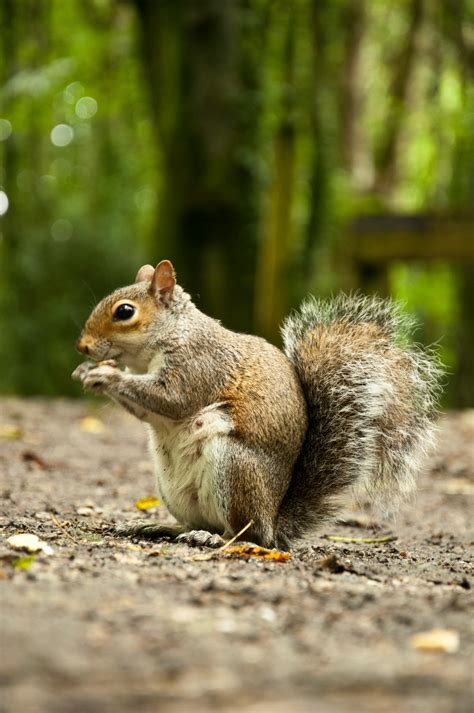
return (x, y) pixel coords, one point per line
(238, 138)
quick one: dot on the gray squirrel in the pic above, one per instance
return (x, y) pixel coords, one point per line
(241, 431)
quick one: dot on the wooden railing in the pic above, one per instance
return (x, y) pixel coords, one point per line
(375, 241)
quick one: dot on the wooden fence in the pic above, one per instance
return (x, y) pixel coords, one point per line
(375, 241)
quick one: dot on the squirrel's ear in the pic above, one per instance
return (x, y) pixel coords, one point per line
(145, 274)
(164, 280)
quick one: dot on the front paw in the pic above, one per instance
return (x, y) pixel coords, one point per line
(102, 378)
(81, 371)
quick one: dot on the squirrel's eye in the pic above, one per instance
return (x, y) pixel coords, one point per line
(123, 312)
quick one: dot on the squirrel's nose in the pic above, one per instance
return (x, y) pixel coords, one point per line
(82, 345)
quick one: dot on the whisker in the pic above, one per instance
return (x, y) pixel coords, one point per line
(94, 298)
(75, 322)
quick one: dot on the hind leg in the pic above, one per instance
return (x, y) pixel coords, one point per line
(154, 531)
(250, 489)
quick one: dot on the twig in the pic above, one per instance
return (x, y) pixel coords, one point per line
(63, 530)
(211, 555)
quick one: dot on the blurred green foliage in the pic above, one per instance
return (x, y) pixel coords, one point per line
(236, 138)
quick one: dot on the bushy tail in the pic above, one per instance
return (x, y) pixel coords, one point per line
(371, 398)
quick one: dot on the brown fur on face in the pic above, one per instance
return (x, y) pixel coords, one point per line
(102, 337)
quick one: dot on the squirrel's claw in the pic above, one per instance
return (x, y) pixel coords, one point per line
(108, 362)
(200, 538)
(101, 377)
(81, 371)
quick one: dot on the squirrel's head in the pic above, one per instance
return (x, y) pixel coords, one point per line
(125, 324)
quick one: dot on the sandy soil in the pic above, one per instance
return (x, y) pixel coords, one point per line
(106, 624)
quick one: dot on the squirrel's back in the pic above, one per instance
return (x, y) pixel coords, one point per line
(371, 398)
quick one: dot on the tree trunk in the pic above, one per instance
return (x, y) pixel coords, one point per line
(355, 155)
(275, 261)
(454, 14)
(203, 76)
(9, 229)
(323, 134)
(404, 65)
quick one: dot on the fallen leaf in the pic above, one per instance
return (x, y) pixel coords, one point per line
(246, 550)
(456, 486)
(29, 543)
(225, 546)
(32, 457)
(11, 432)
(91, 424)
(147, 503)
(23, 562)
(436, 640)
(365, 540)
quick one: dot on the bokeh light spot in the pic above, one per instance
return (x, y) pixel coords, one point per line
(5, 129)
(86, 107)
(62, 135)
(4, 203)
(61, 230)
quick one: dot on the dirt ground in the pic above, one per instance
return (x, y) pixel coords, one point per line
(106, 624)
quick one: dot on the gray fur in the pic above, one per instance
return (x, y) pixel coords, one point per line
(371, 405)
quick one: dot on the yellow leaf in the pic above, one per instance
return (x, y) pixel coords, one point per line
(436, 640)
(24, 562)
(10, 432)
(90, 424)
(147, 503)
(368, 540)
(456, 486)
(246, 550)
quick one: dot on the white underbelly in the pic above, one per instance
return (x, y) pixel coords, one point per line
(187, 455)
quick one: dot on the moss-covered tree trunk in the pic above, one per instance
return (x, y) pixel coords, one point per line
(201, 63)
(20, 155)
(275, 269)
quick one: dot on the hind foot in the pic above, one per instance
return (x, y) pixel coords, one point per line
(200, 538)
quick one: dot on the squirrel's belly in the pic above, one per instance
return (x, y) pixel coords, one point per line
(186, 456)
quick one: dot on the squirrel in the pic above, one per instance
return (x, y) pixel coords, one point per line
(242, 432)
